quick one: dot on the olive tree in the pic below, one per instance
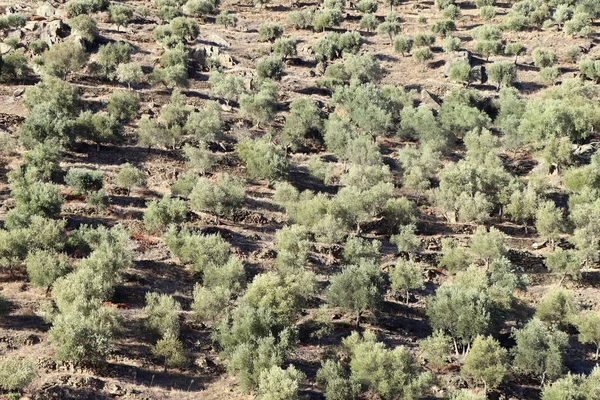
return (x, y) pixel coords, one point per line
(486, 362)
(63, 58)
(222, 197)
(263, 159)
(16, 372)
(588, 325)
(161, 213)
(162, 314)
(130, 177)
(407, 275)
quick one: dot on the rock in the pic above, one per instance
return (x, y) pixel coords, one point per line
(226, 108)
(32, 25)
(478, 74)
(53, 31)
(227, 60)
(219, 40)
(4, 48)
(430, 99)
(114, 389)
(46, 10)
(584, 150)
(539, 245)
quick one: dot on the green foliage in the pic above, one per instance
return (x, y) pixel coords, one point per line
(37, 198)
(284, 47)
(199, 159)
(111, 55)
(391, 26)
(63, 97)
(123, 106)
(488, 245)
(564, 262)
(229, 87)
(302, 19)
(588, 325)
(403, 44)
(579, 25)
(421, 54)
(358, 288)
(543, 58)
(460, 71)
(280, 384)
(504, 73)
(304, 118)
(487, 13)
(162, 315)
(557, 307)
(367, 6)
(321, 170)
(130, 177)
(99, 128)
(443, 28)
(84, 180)
(43, 124)
(270, 31)
(451, 43)
(161, 213)
(436, 349)
(172, 77)
(369, 22)
(171, 349)
(335, 383)
(221, 197)
(14, 65)
(390, 373)
(85, 26)
(260, 107)
(226, 19)
(209, 303)
(84, 337)
(263, 159)
(538, 350)
(589, 68)
(326, 18)
(514, 49)
(270, 67)
(120, 14)
(63, 58)
(574, 387)
(407, 275)
(486, 362)
(200, 8)
(454, 256)
(549, 221)
(79, 7)
(358, 250)
(16, 372)
(98, 199)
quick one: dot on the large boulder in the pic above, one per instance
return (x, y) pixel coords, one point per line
(46, 10)
(53, 31)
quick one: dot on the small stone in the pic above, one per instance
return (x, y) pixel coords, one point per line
(45, 10)
(539, 245)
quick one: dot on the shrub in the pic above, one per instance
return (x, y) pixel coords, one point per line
(487, 13)
(391, 25)
(123, 106)
(98, 199)
(62, 96)
(326, 18)
(260, 107)
(549, 74)
(285, 47)
(79, 7)
(14, 65)
(369, 22)
(37, 46)
(263, 159)
(44, 267)
(460, 71)
(37, 198)
(278, 384)
(422, 54)
(130, 177)
(111, 55)
(198, 8)
(85, 26)
(543, 58)
(162, 314)
(573, 54)
(99, 128)
(120, 15)
(221, 197)
(514, 49)
(270, 31)
(16, 372)
(229, 87)
(84, 180)
(129, 73)
(451, 44)
(270, 67)
(503, 73)
(403, 44)
(423, 39)
(161, 213)
(63, 58)
(226, 19)
(443, 28)
(304, 118)
(301, 19)
(367, 6)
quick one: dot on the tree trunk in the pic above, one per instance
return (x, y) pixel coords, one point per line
(358, 320)
(561, 280)
(407, 297)
(543, 379)
(597, 352)
(455, 347)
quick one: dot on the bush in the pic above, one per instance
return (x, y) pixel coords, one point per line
(369, 22)
(263, 159)
(44, 267)
(423, 39)
(161, 213)
(14, 65)
(422, 54)
(543, 58)
(367, 6)
(270, 31)
(549, 74)
(111, 55)
(221, 197)
(280, 384)
(123, 106)
(120, 15)
(84, 180)
(270, 68)
(229, 87)
(305, 117)
(403, 44)
(260, 107)
(129, 73)
(443, 28)
(301, 19)
(16, 372)
(99, 128)
(326, 18)
(451, 44)
(226, 19)
(99, 200)
(285, 47)
(460, 71)
(85, 26)
(37, 198)
(487, 13)
(62, 96)
(391, 25)
(79, 7)
(63, 58)
(503, 73)
(130, 177)
(162, 314)
(199, 8)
